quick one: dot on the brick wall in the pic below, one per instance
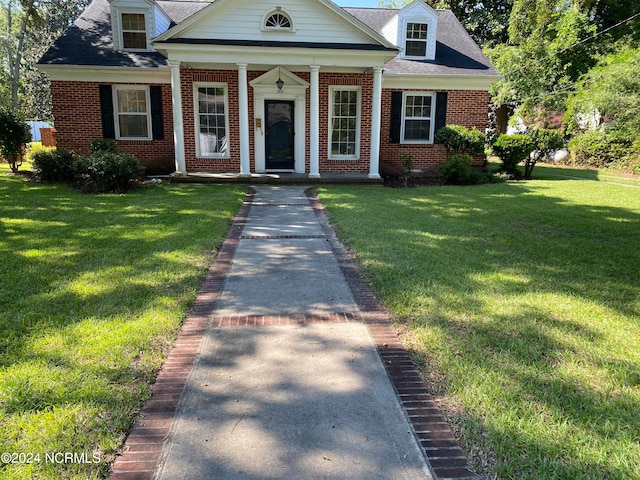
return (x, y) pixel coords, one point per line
(76, 110)
(464, 107)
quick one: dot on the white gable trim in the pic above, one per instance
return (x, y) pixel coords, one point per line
(216, 56)
(203, 15)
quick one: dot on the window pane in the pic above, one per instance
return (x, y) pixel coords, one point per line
(212, 137)
(133, 21)
(417, 31)
(134, 31)
(417, 130)
(132, 101)
(416, 48)
(133, 126)
(344, 122)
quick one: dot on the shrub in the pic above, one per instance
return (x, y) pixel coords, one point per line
(461, 140)
(456, 170)
(546, 142)
(54, 165)
(595, 148)
(107, 172)
(512, 149)
(98, 145)
(14, 136)
(36, 147)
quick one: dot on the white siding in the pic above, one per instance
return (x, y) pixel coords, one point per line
(242, 20)
(162, 22)
(390, 30)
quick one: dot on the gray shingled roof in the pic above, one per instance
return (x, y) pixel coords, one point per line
(456, 52)
(88, 42)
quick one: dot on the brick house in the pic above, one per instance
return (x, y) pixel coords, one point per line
(251, 87)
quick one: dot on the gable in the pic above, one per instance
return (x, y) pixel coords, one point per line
(312, 22)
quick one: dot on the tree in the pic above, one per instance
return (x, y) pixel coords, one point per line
(613, 89)
(543, 58)
(28, 28)
(14, 135)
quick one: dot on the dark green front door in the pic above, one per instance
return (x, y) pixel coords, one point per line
(279, 135)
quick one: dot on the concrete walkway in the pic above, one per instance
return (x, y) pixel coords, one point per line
(287, 368)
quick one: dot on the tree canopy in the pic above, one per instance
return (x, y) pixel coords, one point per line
(27, 29)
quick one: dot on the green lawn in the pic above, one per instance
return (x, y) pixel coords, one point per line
(521, 304)
(92, 293)
(547, 171)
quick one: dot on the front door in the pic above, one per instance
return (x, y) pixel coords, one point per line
(279, 135)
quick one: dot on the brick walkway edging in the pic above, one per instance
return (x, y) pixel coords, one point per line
(143, 447)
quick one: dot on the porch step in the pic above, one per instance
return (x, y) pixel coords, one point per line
(275, 178)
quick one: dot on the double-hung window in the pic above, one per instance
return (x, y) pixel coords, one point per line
(133, 112)
(418, 117)
(344, 123)
(212, 121)
(134, 31)
(416, 40)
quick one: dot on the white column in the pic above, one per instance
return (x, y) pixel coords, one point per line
(376, 108)
(243, 105)
(178, 126)
(314, 123)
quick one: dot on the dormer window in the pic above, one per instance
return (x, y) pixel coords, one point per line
(416, 40)
(277, 21)
(134, 31)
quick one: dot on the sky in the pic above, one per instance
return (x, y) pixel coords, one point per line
(356, 3)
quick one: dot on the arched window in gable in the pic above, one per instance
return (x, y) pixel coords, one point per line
(278, 20)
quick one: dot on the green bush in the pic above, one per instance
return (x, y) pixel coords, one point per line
(54, 165)
(456, 170)
(461, 140)
(99, 145)
(513, 149)
(36, 147)
(14, 136)
(107, 172)
(546, 142)
(595, 148)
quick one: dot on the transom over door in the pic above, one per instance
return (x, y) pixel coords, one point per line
(279, 135)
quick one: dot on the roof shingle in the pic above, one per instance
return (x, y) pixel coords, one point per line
(89, 42)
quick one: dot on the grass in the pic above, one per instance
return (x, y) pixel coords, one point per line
(521, 304)
(93, 290)
(547, 171)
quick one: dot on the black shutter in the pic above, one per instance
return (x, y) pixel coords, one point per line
(106, 112)
(396, 117)
(441, 110)
(157, 128)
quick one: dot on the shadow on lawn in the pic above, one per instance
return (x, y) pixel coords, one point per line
(490, 279)
(93, 289)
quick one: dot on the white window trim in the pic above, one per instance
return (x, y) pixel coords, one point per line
(425, 40)
(263, 25)
(432, 119)
(430, 42)
(148, 32)
(196, 118)
(356, 154)
(117, 113)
